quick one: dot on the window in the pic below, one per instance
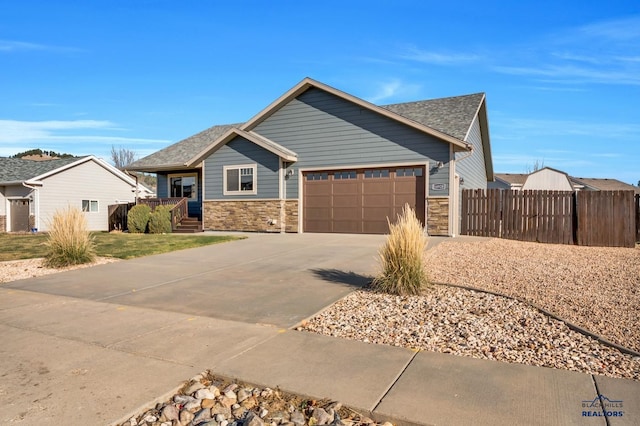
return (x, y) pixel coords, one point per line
(318, 176)
(184, 186)
(409, 172)
(90, 206)
(369, 174)
(345, 175)
(239, 179)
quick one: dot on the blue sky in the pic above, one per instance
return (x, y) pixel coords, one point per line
(562, 78)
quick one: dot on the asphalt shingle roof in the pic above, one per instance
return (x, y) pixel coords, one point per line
(180, 152)
(605, 184)
(453, 116)
(512, 178)
(18, 169)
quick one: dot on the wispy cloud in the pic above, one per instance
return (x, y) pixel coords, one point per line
(9, 46)
(15, 132)
(13, 46)
(606, 52)
(393, 88)
(539, 127)
(438, 58)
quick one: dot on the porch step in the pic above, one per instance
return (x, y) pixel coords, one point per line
(189, 225)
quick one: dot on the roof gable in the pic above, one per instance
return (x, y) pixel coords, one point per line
(308, 83)
(448, 119)
(269, 145)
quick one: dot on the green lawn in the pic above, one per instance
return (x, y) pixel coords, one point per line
(119, 245)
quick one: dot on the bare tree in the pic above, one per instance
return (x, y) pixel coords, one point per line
(122, 157)
(537, 165)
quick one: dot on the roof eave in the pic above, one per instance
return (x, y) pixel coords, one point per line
(486, 142)
(160, 168)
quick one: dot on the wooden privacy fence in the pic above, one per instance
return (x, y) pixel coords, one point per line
(637, 217)
(596, 218)
(118, 216)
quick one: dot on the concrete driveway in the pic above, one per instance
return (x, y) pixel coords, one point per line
(269, 279)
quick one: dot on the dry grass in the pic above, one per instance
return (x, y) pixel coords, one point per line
(69, 241)
(401, 257)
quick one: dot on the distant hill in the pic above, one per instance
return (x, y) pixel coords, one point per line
(40, 155)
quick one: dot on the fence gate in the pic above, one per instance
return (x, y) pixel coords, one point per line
(538, 216)
(118, 216)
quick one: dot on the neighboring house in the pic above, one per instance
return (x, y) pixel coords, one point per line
(552, 179)
(32, 191)
(320, 160)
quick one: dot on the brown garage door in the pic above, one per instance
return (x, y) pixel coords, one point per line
(358, 201)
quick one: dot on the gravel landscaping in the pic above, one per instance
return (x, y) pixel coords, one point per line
(595, 288)
(13, 270)
(207, 400)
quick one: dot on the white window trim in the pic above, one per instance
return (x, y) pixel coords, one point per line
(91, 201)
(253, 166)
(183, 175)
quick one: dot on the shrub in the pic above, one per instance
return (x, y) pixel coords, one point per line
(138, 218)
(401, 257)
(160, 220)
(69, 241)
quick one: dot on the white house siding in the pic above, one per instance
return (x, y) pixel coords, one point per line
(549, 180)
(86, 181)
(471, 168)
(3, 203)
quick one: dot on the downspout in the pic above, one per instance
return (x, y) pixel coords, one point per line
(36, 202)
(136, 190)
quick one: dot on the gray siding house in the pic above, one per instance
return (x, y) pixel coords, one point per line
(320, 160)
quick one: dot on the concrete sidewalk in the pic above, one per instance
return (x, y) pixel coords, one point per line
(87, 347)
(72, 361)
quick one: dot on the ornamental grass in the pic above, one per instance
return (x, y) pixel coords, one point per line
(402, 257)
(69, 241)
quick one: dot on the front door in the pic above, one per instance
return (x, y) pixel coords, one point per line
(19, 215)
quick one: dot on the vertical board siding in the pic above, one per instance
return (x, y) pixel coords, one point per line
(326, 131)
(591, 218)
(472, 168)
(238, 152)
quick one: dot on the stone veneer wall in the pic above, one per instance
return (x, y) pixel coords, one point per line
(291, 216)
(3, 223)
(242, 215)
(438, 216)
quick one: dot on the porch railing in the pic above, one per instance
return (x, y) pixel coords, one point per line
(179, 211)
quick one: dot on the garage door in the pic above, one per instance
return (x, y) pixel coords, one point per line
(358, 201)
